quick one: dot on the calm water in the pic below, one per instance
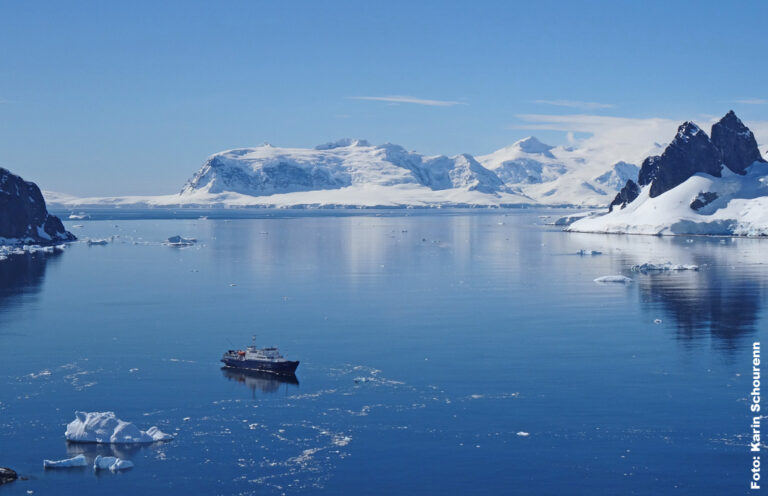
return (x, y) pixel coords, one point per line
(467, 328)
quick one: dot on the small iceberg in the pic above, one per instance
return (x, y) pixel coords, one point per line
(111, 463)
(612, 279)
(77, 461)
(652, 267)
(80, 216)
(589, 252)
(97, 242)
(179, 241)
(105, 427)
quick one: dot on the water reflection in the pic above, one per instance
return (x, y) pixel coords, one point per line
(262, 381)
(22, 274)
(92, 450)
(718, 301)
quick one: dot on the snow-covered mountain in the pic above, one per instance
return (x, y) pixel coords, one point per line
(268, 170)
(698, 185)
(559, 175)
(355, 173)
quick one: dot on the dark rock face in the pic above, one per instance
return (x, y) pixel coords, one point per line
(7, 475)
(690, 152)
(736, 143)
(627, 195)
(23, 216)
(703, 199)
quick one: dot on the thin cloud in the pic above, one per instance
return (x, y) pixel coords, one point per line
(576, 104)
(407, 99)
(752, 101)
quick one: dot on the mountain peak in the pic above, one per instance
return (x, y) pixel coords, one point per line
(532, 145)
(736, 142)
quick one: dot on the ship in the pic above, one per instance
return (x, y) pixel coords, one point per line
(263, 359)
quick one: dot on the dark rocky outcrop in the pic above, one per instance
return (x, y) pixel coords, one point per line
(23, 215)
(703, 199)
(627, 195)
(7, 475)
(736, 143)
(690, 152)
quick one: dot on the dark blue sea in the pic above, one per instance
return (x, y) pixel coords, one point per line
(442, 352)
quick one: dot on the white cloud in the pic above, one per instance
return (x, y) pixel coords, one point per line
(407, 99)
(576, 104)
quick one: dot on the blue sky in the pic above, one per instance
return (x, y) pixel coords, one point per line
(108, 98)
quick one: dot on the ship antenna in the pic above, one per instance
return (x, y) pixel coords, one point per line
(253, 338)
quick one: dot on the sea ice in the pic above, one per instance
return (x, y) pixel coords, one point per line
(111, 463)
(619, 279)
(105, 427)
(652, 267)
(77, 461)
(92, 242)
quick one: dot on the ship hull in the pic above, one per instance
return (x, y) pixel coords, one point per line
(284, 368)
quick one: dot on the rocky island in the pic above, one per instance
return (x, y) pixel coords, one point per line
(24, 218)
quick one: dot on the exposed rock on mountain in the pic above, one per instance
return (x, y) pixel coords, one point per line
(627, 195)
(736, 143)
(23, 215)
(690, 152)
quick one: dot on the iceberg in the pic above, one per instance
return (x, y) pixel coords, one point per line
(179, 241)
(92, 242)
(111, 463)
(77, 461)
(105, 427)
(609, 279)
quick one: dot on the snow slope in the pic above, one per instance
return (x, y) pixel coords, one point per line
(559, 175)
(741, 208)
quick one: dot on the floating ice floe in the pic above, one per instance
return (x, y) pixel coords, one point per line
(657, 321)
(105, 427)
(610, 279)
(523, 434)
(77, 461)
(8, 250)
(652, 267)
(111, 463)
(97, 242)
(179, 241)
(589, 252)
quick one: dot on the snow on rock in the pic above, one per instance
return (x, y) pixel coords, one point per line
(667, 266)
(613, 279)
(77, 461)
(105, 427)
(111, 463)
